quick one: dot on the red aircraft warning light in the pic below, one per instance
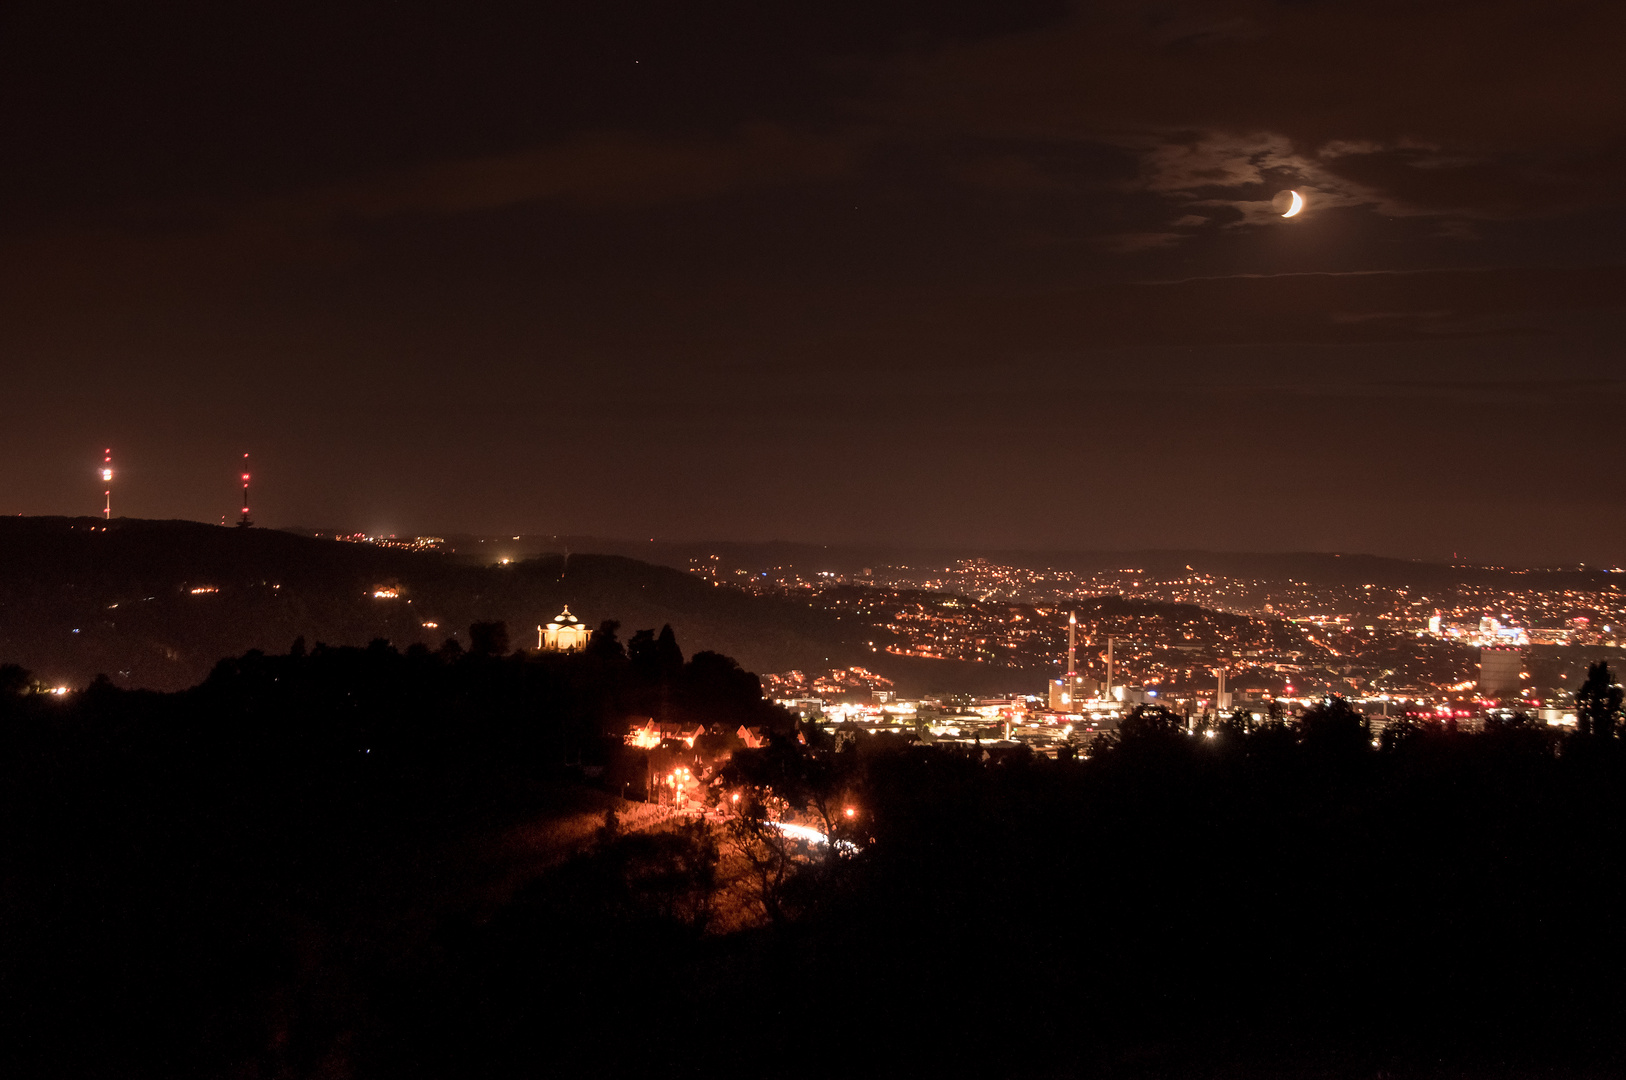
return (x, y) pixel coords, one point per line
(244, 522)
(107, 479)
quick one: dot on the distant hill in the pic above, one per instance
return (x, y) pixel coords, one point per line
(1315, 567)
(156, 603)
(1330, 568)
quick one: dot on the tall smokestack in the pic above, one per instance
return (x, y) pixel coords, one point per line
(1107, 692)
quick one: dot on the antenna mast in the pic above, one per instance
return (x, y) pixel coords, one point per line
(107, 479)
(244, 522)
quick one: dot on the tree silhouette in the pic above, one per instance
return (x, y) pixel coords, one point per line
(1519, 734)
(1399, 732)
(1104, 743)
(791, 782)
(604, 644)
(715, 689)
(1149, 726)
(1597, 702)
(489, 638)
(15, 679)
(655, 659)
(1333, 724)
(641, 655)
(668, 657)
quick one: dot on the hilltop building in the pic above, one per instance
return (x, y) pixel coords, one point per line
(564, 634)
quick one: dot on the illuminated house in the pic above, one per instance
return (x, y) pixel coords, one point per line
(651, 733)
(564, 634)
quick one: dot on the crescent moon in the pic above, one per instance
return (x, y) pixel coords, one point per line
(1298, 204)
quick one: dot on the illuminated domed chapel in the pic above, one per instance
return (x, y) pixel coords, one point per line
(564, 634)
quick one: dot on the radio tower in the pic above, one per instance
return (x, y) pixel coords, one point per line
(107, 479)
(244, 522)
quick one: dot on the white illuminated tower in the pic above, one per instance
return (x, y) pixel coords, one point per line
(1064, 696)
(244, 522)
(107, 482)
(1072, 647)
(1106, 689)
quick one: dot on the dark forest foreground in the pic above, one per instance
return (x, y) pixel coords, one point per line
(369, 864)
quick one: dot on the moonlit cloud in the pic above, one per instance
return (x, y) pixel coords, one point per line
(1472, 111)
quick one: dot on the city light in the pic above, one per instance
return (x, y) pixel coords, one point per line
(1275, 640)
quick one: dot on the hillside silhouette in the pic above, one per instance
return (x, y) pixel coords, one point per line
(153, 604)
(306, 867)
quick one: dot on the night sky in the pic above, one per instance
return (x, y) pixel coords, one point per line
(1001, 274)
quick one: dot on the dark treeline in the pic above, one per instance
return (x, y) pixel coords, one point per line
(187, 874)
(1286, 900)
(169, 858)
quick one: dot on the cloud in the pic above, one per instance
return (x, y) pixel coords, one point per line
(603, 169)
(988, 328)
(1307, 309)
(1487, 109)
(1197, 163)
(1139, 241)
(195, 248)
(1010, 173)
